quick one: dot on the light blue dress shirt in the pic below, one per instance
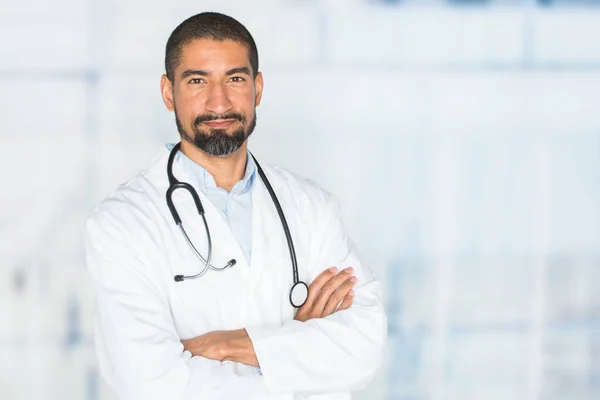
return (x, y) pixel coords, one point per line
(235, 207)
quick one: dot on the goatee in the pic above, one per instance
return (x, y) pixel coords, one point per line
(218, 142)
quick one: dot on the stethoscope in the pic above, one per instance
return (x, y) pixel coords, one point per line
(299, 290)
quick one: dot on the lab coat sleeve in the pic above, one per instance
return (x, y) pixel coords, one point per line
(139, 351)
(338, 353)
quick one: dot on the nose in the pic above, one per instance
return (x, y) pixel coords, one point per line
(218, 101)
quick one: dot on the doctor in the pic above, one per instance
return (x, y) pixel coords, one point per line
(252, 290)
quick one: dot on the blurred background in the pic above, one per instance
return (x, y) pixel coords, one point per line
(461, 136)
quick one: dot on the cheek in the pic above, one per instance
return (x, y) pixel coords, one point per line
(189, 106)
(189, 99)
(245, 102)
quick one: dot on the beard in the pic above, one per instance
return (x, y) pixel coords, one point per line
(217, 142)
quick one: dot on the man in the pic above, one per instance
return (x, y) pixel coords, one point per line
(230, 332)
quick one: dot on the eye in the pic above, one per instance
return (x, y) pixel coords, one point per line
(237, 79)
(197, 80)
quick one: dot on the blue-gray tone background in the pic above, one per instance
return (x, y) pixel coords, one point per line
(462, 138)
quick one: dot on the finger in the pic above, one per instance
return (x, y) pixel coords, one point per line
(303, 313)
(330, 287)
(347, 302)
(337, 296)
(333, 284)
(317, 284)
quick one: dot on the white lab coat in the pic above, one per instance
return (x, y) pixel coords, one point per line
(133, 250)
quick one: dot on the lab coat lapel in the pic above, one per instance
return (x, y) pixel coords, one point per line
(261, 224)
(269, 267)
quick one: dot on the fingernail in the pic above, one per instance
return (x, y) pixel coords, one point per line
(333, 269)
(351, 293)
(349, 270)
(353, 279)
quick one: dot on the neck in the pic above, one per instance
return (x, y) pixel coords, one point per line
(226, 171)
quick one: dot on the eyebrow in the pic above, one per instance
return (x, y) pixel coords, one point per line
(190, 72)
(240, 70)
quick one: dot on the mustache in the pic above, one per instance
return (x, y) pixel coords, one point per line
(212, 117)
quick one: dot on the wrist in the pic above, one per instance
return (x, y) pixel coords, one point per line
(230, 349)
(236, 345)
(239, 348)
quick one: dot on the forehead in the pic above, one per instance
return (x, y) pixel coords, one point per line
(208, 54)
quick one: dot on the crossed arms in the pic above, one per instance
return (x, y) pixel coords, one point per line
(334, 344)
(330, 292)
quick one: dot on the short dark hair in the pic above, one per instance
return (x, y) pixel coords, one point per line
(208, 25)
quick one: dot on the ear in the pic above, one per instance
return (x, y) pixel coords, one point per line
(166, 89)
(258, 84)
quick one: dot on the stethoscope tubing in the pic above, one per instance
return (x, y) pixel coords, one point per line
(286, 229)
(174, 184)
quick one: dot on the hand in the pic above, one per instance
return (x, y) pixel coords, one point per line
(223, 346)
(326, 292)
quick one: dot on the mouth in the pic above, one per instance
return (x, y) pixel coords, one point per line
(220, 123)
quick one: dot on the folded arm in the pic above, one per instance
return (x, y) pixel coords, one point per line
(340, 352)
(232, 345)
(328, 293)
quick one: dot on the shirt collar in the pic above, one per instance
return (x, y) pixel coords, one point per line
(203, 180)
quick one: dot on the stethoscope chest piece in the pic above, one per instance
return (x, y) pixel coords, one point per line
(298, 294)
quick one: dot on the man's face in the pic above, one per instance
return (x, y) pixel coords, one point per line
(214, 95)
